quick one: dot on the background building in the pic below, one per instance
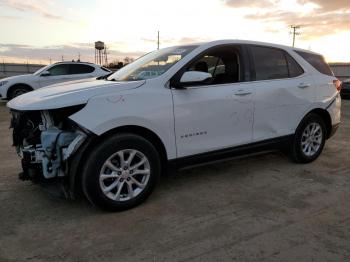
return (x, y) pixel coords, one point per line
(10, 69)
(341, 70)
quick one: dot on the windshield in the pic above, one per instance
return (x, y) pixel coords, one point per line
(42, 69)
(152, 64)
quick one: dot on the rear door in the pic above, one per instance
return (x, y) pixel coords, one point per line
(284, 92)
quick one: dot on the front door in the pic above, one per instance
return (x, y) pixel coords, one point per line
(217, 115)
(58, 73)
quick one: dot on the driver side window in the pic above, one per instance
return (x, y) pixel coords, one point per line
(222, 63)
(59, 70)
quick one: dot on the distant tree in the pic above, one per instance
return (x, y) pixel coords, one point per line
(128, 60)
(116, 64)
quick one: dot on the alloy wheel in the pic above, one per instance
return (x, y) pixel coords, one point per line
(124, 175)
(311, 139)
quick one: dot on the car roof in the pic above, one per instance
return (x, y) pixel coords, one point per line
(236, 41)
(73, 62)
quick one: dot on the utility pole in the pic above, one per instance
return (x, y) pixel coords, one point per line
(158, 41)
(295, 32)
(62, 58)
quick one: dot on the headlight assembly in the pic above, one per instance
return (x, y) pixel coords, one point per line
(2, 83)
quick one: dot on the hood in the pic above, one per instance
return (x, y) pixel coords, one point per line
(16, 78)
(64, 95)
(72, 82)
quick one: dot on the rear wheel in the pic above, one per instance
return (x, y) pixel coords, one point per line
(121, 172)
(309, 139)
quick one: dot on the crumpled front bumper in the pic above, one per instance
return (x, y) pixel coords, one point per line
(55, 149)
(45, 148)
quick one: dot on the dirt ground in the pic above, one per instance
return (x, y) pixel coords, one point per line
(261, 208)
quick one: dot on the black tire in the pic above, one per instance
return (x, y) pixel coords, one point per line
(297, 153)
(96, 160)
(17, 91)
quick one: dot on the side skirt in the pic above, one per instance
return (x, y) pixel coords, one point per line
(275, 144)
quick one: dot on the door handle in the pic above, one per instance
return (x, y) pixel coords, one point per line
(242, 93)
(303, 85)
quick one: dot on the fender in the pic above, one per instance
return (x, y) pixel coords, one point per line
(128, 108)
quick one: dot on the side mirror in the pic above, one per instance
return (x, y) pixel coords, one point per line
(45, 73)
(195, 78)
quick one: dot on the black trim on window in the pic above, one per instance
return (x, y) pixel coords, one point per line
(285, 54)
(244, 65)
(316, 61)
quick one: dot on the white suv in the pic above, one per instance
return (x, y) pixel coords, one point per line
(56, 73)
(114, 137)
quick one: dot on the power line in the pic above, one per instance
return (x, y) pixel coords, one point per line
(295, 32)
(158, 41)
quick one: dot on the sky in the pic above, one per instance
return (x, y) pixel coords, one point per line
(39, 30)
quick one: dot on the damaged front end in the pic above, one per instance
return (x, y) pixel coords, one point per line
(46, 141)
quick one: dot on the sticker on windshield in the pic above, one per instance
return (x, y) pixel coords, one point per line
(179, 51)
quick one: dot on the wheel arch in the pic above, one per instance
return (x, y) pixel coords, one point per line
(11, 88)
(324, 114)
(144, 132)
(83, 152)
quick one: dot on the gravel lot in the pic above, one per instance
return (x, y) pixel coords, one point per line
(261, 208)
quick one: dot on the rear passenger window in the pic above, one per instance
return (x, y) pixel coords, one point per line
(273, 63)
(293, 67)
(317, 61)
(80, 69)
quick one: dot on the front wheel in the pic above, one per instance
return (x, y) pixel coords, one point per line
(17, 91)
(121, 172)
(309, 139)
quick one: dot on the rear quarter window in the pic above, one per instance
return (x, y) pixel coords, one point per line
(80, 69)
(273, 63)
(317, 61)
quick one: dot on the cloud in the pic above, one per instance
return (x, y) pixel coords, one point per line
(21, 53)
(247, 3)
(9, 17)
(177, 41)
(316, 25)
(317, 17)
(29, 6)
(329, 5)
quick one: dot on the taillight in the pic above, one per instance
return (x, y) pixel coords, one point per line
(337, 84)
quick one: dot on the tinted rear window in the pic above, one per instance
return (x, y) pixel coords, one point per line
(81, 69)
(274, 63)
(317, 61)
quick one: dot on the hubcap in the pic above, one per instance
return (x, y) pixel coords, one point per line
(124, 175)
(311, 139)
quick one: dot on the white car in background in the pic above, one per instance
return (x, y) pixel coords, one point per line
(114, 137)
(56, 73)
